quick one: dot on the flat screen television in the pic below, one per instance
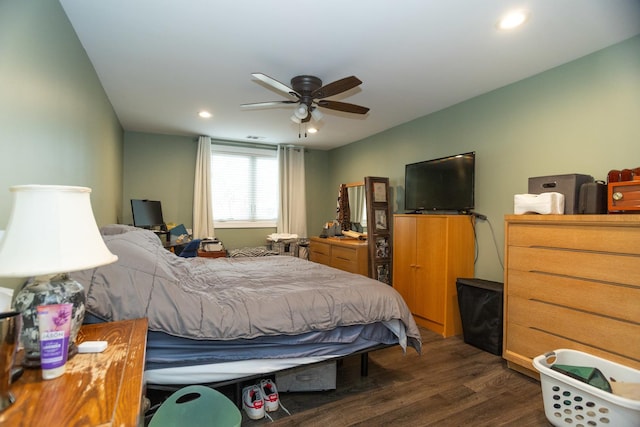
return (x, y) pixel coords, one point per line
(444, 184)
(147, 213)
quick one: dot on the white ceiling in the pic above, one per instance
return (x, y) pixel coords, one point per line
(162, 61)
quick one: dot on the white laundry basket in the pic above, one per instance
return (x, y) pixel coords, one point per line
(568, 401)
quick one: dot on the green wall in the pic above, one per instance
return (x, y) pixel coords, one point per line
(57, 126)
(160, 167)
(581, 117)
(56, 123)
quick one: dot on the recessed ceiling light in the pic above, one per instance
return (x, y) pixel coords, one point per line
(312, 130)
(204, 114)
(513, 20)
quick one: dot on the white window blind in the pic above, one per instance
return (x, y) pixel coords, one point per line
(244, 186)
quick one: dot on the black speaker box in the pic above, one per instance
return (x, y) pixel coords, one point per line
(593, 198)
(569, 185)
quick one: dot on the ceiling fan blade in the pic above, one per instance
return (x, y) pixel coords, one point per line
(336, 87)
(343, 106)
(267, 104)
(276, 84)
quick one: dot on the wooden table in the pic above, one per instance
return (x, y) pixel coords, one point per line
(98, 389)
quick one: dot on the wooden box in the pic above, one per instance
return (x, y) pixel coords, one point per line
(624, 196)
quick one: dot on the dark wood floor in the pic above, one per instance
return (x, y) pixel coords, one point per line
(450, 384)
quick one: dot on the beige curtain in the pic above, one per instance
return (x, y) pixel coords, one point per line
(292, 212)
(202, 202)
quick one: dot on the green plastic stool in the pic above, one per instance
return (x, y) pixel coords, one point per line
(197, 405)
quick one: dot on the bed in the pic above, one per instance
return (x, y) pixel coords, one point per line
(213, 320)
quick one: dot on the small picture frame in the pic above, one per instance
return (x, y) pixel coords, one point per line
(379, 192)
(382, 273)
(382, 247)
(380, 219)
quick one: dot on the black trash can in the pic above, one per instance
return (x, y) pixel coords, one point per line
(480, 303)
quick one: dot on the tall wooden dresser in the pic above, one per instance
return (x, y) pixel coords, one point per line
(572, 281)
(429, 253)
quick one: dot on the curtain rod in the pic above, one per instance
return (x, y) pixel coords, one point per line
(241, 144)
(253, 144)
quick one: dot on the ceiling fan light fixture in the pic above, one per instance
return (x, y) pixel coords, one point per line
(316, 114)
(301, 111)
(296, 119)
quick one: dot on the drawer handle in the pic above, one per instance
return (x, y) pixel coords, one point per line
(617, 196)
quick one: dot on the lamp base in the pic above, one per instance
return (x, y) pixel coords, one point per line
(47, 290)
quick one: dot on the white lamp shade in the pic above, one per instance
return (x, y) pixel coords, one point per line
(51, 230)
(316, 114)
(301, 111)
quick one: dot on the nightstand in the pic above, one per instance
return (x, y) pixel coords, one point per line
(97, 388)
(212, 254)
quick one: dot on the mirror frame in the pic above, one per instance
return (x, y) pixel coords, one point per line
(353, 185)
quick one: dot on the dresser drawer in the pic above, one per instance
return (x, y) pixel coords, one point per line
(320, 248)
(544, 323)
(320, 252)
(526, 343)
(611, 238)
(320, 258)
(609, 299)
(344, 258)
(605, 267)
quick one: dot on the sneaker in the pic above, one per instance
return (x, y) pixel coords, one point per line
(270, 395)
(252, 402)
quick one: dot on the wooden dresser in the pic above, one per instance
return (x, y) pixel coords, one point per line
(429, 253)
(99, 389)
(345, 254)
(572, 281)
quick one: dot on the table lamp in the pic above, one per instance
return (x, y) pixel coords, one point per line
(51, 232)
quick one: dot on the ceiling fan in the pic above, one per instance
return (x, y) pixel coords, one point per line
(309, 94)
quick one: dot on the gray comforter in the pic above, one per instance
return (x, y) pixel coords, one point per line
(230, 298)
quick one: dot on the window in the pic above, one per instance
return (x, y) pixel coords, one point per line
(244, 186)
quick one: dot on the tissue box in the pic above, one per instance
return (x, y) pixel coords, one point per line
(545, 203)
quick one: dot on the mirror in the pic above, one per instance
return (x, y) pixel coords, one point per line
(357, 206)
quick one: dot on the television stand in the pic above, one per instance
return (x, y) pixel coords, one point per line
(429, 212)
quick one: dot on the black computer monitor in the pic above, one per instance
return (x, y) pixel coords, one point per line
(147, 213)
